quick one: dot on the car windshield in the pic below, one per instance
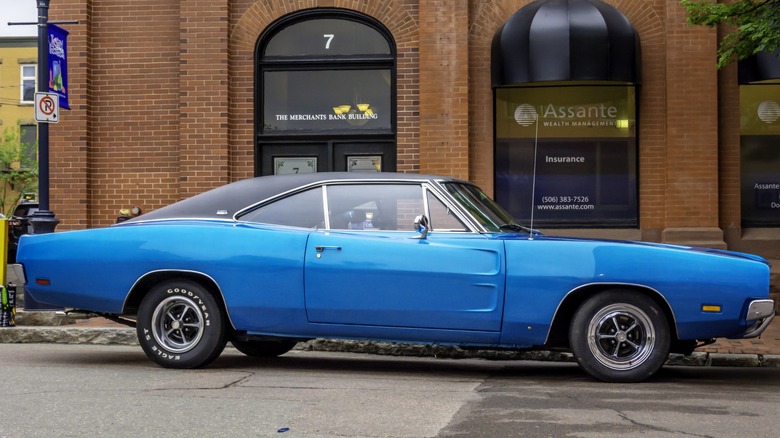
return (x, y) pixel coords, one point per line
(485, 210)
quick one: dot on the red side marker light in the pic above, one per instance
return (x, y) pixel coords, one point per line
(43, 282)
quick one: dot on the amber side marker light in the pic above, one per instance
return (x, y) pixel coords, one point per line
(43, 282)
(710, 308)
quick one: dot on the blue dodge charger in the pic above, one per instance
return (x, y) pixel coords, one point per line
(268, 262)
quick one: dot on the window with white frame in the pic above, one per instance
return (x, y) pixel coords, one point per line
(27, 86)
(29, 138)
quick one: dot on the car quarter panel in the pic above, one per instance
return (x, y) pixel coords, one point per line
(543, 271)
(258, 269)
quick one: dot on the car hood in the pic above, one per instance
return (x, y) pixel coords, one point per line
(638, 244)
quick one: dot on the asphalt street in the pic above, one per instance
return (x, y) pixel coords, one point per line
(109, 390)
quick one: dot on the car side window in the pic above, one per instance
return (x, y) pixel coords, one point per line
(374, 206)
(442, 218)
(304, 210)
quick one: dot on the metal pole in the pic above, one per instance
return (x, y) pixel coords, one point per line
(43, 220)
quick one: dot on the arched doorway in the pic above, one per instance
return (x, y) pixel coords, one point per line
(325, 94)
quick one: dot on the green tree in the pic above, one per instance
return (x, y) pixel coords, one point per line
(755, 25)
(18, 170)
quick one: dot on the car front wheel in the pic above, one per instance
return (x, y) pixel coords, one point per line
(180, 325)
(620, 336)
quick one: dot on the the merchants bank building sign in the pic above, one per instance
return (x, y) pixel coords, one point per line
(339, 115)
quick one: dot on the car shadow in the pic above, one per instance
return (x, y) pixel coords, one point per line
(511, 370)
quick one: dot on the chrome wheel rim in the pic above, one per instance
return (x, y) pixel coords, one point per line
(177, 324)
(621, 336)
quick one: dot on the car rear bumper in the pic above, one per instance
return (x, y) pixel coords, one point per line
(761, 313)
(19, 272)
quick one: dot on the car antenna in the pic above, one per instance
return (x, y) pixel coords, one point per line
(533, 178)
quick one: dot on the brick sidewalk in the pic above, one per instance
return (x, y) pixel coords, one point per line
(768, 343)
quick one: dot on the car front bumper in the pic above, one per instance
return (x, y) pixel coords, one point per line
(761, 313)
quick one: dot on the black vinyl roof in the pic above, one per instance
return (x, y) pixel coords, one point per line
(565, 40)
(224, 202)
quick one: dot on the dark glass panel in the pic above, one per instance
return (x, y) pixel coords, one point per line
(760, 174)
(760, 155)
(304, 210)
(320, 100)
(567, 156)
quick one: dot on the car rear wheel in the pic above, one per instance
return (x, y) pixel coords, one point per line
(263, 348)
(620, 336)
(180, 325)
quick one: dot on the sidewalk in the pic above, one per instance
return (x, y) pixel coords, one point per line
(768, 343)
(760, 352)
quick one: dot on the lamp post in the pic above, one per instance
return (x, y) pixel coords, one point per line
(43, 220)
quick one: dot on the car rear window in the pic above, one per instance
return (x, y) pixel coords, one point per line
(304, 210)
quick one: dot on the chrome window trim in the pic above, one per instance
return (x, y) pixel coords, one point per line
(323, 183)
(445, 199)
(325, 207)
(474, 224)
(172, 219)
(425, 183)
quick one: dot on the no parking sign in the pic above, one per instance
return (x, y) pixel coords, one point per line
(47, 107)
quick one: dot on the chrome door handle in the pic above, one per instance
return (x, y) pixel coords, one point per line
(323, 248)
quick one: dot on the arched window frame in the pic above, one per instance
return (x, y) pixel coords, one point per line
(265, 64)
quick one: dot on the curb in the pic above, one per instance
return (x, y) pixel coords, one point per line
(68, 335)
(127, 336)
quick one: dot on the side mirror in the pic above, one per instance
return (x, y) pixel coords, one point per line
(422, 226)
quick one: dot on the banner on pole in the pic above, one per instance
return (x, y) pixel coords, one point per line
(58, 64)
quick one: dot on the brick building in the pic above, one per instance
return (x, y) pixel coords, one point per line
(170, 98)
(18, 59)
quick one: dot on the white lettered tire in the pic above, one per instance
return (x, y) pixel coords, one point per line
(180, 325)
(620, 336)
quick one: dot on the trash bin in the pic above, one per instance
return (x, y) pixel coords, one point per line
(8, 306)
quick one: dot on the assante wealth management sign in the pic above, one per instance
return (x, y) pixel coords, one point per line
(565, 112)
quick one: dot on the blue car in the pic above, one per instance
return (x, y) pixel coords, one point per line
(268, 262)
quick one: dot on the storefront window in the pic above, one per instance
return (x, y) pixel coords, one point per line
(760, 154)
(347, 100)
(567, 155)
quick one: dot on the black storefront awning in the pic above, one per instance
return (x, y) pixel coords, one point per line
(763, 66)
(565, 40)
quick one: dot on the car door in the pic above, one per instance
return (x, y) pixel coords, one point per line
(375, 271)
